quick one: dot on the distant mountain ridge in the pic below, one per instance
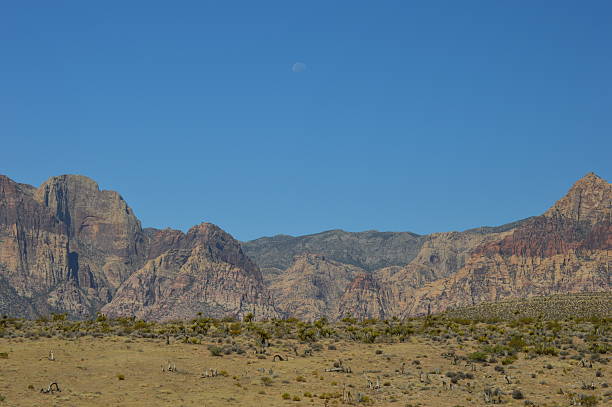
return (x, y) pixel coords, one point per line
(67, 246)
(565, 250)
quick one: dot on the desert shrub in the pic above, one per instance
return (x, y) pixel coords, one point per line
(545, 350)
(3, 355)
(307, 334)
(317, 347)
(508, 360)
(215, 350)
(286, 396)
(266, 381)
(478, 357)
(517, 394)
(586, 400)
(600, 348)
(499, 350)
(517, 343)
(369, 335)
(120, 376)
(58, 317)
(235, 329)
(456, 376)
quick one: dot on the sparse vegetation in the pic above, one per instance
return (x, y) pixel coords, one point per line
(437, 359)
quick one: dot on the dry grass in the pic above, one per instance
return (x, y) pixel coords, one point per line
(542, 359)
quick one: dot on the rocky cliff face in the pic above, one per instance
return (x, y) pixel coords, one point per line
(204, 271)
(35, 263)
(69, 247)
(312, 287)
(565, 250)
(369, 250)
(106, 241)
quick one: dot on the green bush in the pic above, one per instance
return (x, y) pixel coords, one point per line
(478, 357)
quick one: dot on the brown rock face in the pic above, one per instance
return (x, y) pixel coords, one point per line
(589, 200)
(368, 250)
(34, 254)
(567, 250)
(364, 299)
(68, 247)
(312, 287)
(204, 271)
(106, 240)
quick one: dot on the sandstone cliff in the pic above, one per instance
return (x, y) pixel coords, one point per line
(204, 271)
(35, 260)
(106, 242)
(566, 250)
(312, 286)
(68, 246)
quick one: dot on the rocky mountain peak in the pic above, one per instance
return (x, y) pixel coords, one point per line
(310, 258)
(588, 200)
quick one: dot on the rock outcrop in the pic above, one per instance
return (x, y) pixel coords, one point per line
(312, 287)
(68, 246)
(106, 241)
(565, 250)
(203, 271)
(368, 250)
(35, 261)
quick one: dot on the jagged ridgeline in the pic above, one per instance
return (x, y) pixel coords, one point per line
(69, 247)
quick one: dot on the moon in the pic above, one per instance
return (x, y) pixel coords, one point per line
(298, 67)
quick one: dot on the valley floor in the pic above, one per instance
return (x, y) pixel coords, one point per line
(126, 371)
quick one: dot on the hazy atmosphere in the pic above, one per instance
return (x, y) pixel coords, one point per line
(297, 117)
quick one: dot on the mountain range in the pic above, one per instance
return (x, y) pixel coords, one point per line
(69, 247)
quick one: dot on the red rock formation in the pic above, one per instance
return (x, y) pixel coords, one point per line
(363, 299)
(312, 286)
(68, 247)
(567, 250)
(204, 271)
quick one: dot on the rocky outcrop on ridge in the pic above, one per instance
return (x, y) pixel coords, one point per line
(68, 246)
(204, 271)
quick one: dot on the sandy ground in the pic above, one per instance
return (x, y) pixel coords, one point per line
(87, 371)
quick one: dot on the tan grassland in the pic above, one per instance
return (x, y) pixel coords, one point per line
(409, 363)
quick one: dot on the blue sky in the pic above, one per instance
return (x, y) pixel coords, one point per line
(410, 116)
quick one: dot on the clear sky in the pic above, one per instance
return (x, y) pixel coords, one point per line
(409, 116)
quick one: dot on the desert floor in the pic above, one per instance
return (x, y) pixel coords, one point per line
(122, 371)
